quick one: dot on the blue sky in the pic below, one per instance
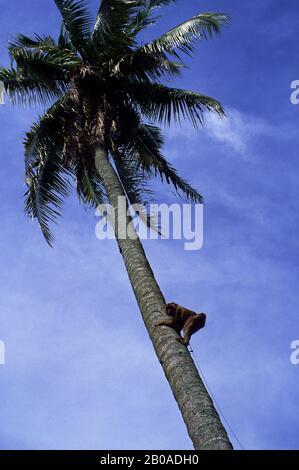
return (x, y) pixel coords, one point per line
(69, 381)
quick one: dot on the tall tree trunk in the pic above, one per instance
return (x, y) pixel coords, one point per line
(202, 420)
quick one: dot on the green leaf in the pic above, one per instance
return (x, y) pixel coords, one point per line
(39, 42)
(64, 40)
(113, 22)
(77, 22)
(142, 67)
(23, 89)
(182, 36)
(46, 66)
(159, 3)
(90, 188)
(47, 132)
(148, 144)
(163, 104)
(48, 185)
(134, 181)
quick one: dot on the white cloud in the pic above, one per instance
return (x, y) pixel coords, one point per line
(239, 130)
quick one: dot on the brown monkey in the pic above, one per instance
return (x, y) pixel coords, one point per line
(183, 319)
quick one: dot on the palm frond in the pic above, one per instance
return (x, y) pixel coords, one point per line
(141, 146)
(134, 181)
(159, 3)
(113, 22)
(47, 132)
(64, 40)
(163, 104)
(142, 67)
(104, 85)
(38, 42)
(182, 36)
(46, 66)
(144, 16)
(90, 188)
(26, 90)
(141, 20)
(133, 178)
(48, 185)
(77, 22)
(148, 144)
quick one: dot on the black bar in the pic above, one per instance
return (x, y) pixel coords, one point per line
(133, 459)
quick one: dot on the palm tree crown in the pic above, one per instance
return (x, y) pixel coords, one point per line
(102, 85)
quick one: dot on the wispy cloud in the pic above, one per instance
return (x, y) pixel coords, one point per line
(239, 131)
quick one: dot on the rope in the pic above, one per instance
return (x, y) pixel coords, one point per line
(214, 399)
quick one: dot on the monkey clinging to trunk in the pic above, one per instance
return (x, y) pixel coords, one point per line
(183, 319)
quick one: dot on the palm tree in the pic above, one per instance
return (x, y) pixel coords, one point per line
(104, 92)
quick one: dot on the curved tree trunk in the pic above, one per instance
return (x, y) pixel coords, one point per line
(202, 420)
